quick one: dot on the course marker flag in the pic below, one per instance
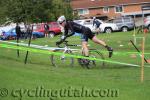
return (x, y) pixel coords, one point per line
(56, 48)
(59, 53)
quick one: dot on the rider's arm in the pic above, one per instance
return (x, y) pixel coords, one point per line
(69, 25)
(65, 34)
(66, 31)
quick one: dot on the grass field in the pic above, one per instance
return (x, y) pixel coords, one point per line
(38, 77)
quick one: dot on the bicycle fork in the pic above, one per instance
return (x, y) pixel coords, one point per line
(63, 55)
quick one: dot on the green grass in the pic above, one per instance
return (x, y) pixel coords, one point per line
(15, 75)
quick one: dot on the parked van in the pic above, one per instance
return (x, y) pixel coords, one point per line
(124, 23)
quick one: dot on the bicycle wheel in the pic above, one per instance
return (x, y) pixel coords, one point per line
(95, 63)
(62, 60)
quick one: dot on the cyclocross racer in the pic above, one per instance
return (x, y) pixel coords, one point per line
(85, 31)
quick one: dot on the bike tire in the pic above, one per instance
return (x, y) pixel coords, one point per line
(58, 61)
(94, 63)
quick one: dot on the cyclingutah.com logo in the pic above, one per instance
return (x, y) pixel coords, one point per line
(52, 94)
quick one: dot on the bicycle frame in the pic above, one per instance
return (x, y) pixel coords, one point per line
(67, 49)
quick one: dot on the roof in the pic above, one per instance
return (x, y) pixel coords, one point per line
(80, 4)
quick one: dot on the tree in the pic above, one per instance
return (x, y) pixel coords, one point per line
(34, 10)
(62, 7)
(3, 18)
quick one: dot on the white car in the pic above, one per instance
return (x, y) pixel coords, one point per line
(1, 32)
(104, 27)
(147, 22)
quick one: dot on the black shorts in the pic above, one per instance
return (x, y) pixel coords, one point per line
(88, 33)
(84, 38)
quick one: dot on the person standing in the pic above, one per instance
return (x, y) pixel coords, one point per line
(46, 29)
(18, 31)
(96, 25)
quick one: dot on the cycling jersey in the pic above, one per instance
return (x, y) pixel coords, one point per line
(74, 27)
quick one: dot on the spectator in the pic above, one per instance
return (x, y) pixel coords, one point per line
(28, 31)
(46, 28)
(18, 31)
(96, 24)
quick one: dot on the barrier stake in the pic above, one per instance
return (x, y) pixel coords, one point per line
(142, 60)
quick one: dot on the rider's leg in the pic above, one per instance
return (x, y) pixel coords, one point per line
(98, 41)
(85, 49)
(88, 33)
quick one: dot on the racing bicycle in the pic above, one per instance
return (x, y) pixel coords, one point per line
(70, 61)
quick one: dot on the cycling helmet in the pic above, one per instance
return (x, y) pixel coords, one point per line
(61, 19)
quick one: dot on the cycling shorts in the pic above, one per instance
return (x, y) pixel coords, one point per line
(84, 38)
(88, 33)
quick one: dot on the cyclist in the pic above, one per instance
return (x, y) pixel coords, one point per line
(96, 24)
(86, 34)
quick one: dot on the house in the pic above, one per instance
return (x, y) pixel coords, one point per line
(105, 9)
